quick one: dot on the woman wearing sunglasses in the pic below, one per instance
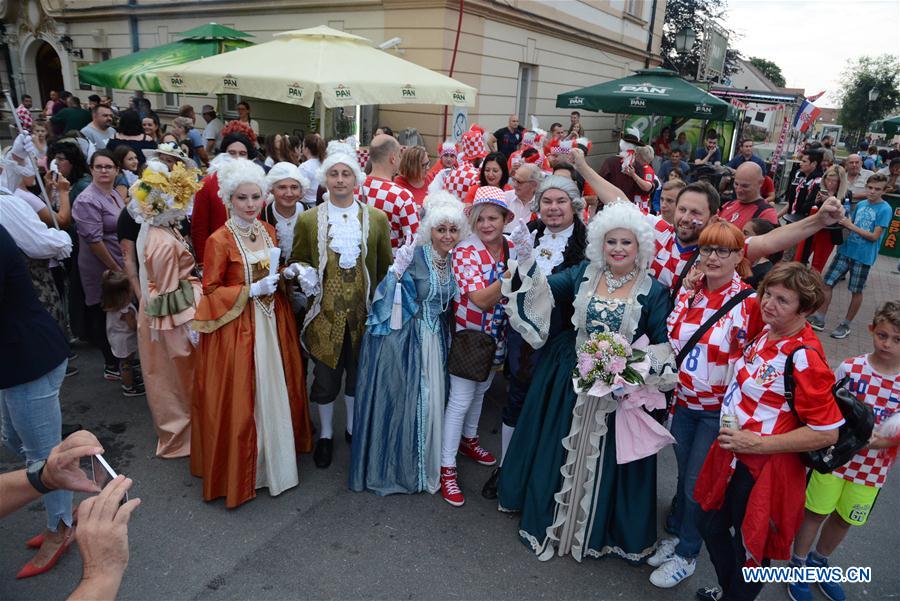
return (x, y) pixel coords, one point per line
(702, 379)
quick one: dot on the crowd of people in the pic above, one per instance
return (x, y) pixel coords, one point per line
(216, 273)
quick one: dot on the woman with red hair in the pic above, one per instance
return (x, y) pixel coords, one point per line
(714, 285)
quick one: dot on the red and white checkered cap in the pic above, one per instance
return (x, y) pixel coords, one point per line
(560, 146)
(490, 195)
(448, 147)
(473, 143)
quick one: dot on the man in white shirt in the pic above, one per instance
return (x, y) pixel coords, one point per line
(519, 199)
(212, 134)
(856, 176)
(100, 129)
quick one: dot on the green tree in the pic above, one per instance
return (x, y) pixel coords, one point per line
(769, 69)
(693, 14)
(880, 73)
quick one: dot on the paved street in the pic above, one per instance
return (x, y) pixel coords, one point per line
(320, 540)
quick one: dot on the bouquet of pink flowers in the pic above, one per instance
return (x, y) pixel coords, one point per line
(606, 363)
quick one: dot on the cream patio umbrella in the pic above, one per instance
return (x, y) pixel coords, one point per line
(344, 69)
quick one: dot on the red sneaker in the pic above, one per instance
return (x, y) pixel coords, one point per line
(471, 449)
(450, 488)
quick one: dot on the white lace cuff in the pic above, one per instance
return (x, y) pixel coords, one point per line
(308, 280)
(530, 303)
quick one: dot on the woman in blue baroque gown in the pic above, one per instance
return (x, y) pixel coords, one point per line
(582, 487)
(402, 386)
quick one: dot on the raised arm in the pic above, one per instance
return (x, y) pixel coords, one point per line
(788, 235)
(606, 192)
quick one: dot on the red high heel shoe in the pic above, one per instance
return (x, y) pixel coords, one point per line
(32, 570)
(37, 540)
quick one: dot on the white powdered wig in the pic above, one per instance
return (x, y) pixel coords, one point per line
(625, 215)
(341, 153)
(441, 207)
(240, 171)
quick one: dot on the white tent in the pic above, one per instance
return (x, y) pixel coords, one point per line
(344, 69)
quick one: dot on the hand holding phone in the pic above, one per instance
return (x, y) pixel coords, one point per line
(102, 474)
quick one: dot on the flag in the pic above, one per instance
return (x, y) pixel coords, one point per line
(816, 97)
(806, 115)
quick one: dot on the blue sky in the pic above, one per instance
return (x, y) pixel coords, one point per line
(812, 42)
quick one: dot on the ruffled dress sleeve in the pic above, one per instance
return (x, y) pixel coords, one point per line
(384, 304)
(223, 298)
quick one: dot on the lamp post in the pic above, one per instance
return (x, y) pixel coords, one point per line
(873, 96)
(684, 42)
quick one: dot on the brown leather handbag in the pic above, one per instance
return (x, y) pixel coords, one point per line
(471, 355)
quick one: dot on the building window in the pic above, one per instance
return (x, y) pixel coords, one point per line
(171, 100)
(523, 97)
(633, 7)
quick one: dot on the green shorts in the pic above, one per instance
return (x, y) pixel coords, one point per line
(826, 493)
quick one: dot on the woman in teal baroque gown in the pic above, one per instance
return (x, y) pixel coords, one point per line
(561, 469)
(402, 385)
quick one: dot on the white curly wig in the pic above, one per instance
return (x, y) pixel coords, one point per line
(625, 215)
(240, 171)
(441, 207)
(285, 170)
(558, 182)
(341, 153)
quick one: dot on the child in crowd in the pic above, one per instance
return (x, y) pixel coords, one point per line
(757, 227)
(121, 328)
(867, 225)
(845, 497)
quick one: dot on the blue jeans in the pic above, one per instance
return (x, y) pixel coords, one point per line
(694, 432)
(32, 426)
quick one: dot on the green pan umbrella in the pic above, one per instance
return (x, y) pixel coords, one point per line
(137, 71)
(888, 126)
(649, 92)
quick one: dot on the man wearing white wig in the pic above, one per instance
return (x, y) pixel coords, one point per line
(341, 250)
(560, 239)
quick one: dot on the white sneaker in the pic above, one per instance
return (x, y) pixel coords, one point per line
(673, 571)
(665, 551)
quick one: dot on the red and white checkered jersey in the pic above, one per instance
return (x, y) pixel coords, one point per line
(704, 372)
(882, 393)
(643, 200)
(670, 257)
(475, 269)
(396, 202)
(756, 392)
(459, 180)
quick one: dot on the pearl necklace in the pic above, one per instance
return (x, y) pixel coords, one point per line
(249, 231)
(613, 283)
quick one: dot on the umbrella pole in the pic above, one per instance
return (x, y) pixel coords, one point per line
(44, 196)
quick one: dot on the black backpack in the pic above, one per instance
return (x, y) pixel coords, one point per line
(853, 435)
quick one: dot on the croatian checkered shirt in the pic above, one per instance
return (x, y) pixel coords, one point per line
(642, 200)
(870, 466)
(756, 392)
(475, 269)
(396, 202)
(704, 372)
(670, 258)
(459, 180)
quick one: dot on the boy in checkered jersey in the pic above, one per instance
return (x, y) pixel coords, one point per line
(845, 497)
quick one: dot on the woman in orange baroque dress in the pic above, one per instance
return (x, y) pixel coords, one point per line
(249, 415)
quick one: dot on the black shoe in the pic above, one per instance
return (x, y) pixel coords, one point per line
(348, 437)
(489, 490)
(709, 593)
(70, 429)
(322, 452)
(71, 370)
(136, 389)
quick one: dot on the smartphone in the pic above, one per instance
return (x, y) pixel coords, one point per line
(54, 169)
(102, 474)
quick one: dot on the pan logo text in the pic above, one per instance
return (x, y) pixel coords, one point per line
(638, 102)
(703, 109)
(176, 81)
(230, 81)
(295, 90)
(644, 88)
(459, 96)
(342, 92)
(576, 101)
(408, 91)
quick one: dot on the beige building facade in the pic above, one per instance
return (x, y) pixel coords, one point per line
(519, 54)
